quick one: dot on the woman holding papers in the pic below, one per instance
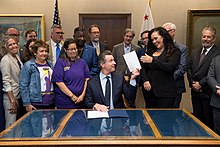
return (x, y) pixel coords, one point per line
(159, 65)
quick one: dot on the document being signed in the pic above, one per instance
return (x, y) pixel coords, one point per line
(97, 114)
(132, 61)
(110, 114)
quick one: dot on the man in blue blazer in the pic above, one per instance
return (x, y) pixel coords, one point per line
(95, 92)
(182, 67)
(86, 52)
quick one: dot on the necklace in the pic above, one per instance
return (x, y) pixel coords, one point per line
(160, 50)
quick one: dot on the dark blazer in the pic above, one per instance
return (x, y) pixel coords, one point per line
(90, 56)
(181, 70)
(103, 46)
(196, 72)
(160, 74)
(95, 95)
(213, 80)
(118, 52)
(141, 52)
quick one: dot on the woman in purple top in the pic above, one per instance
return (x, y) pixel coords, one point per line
(70, 75)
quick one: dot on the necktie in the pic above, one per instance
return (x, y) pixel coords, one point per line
(97, 48)
(202, 56)
(108, 124)
(107, 91)
(57, 50)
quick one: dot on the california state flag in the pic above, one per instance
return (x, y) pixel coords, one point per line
(148, 22)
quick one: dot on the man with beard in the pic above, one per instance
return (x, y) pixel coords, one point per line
(86, 52)
(197, 72)
(94, 34)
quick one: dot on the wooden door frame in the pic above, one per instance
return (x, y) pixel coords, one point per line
(83, 16)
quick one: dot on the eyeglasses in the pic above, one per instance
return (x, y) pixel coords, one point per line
(71, 49)
(170, 30)
(145, 38)
(59, 33)
(128, 36)
(32, 36)
(14, 35)
(95, 32)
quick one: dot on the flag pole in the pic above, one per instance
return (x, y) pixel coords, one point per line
(149, 3)
(148, 22)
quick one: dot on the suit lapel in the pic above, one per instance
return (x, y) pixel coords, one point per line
(114, 83)
(122, 51)
(197, 58)
(102, 47)
(132, 48)
(90, 43)
(50, 51)
(210, 53)
(14, 61)
(98, 85)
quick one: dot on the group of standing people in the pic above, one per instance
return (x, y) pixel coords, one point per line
(165, 64)
(70, 73)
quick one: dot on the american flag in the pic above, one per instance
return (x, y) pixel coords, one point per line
(56, 17)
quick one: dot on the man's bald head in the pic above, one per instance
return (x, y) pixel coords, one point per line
(13, 32)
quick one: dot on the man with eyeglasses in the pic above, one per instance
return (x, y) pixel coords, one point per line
(94, 34)
(182, 67)
(13, 32)
(55, 43)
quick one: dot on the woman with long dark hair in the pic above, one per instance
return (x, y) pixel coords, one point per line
(28, 52)
(159, 65)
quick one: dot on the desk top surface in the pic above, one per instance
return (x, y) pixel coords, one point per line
(137, 124)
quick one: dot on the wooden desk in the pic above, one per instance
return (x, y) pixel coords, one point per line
(136, 127)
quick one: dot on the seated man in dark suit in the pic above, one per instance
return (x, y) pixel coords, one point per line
(100, 95)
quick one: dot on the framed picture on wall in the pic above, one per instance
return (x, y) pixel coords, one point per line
(22, 22)
(197, 20)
